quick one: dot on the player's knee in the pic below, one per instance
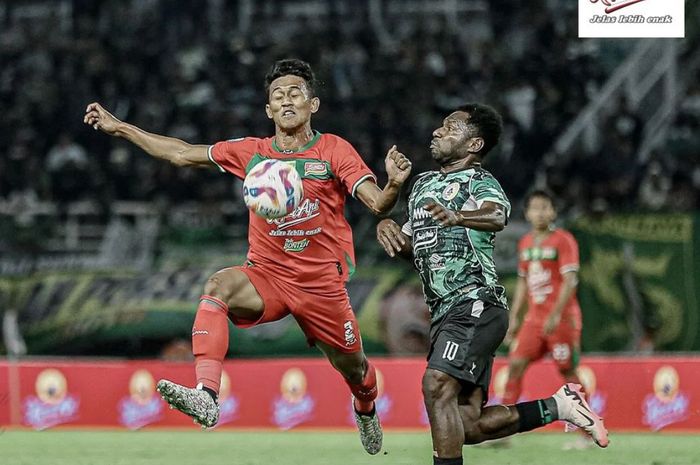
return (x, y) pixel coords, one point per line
(472, 434)
(437, 388)
(353, 372)
(223, 287)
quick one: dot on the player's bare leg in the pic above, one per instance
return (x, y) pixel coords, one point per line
(497, 421)
(226, 292)
(360, 376)
(452, 413)
(441, 394)
(514, 385)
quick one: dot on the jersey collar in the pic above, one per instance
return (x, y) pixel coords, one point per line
(307, 146)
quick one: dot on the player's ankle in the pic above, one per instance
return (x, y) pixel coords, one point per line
(363, 407)
(452, 461)
(211, 392)
(535, 414)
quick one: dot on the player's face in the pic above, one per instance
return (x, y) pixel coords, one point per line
(290, 104)
(540, 213)
(454, 139)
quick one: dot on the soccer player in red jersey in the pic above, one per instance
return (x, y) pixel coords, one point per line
(548, 272)
(298, 264)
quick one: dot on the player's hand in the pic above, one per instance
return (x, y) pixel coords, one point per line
(99, 118)
(390, 237)
(398, 167)
(442, 215)
(551, 324)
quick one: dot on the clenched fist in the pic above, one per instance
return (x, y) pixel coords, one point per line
(99, 118)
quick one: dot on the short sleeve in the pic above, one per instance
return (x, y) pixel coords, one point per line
(349, 167)
(568, 253)
(487, 189)
(233, 155)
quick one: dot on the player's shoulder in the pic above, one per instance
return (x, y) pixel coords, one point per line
(564, 235)
(422, 178)
(481, 174)
(238, 141)
(333, 141)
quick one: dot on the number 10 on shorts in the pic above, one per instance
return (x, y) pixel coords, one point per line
(451, 349)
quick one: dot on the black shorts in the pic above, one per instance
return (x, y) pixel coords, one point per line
(463, 342)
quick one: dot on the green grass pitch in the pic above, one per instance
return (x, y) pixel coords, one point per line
(314, 448)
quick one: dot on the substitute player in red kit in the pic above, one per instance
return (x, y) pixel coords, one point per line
(548, 273)
(298, 264)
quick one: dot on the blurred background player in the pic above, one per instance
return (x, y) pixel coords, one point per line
(453, 216)
(301, 271)
(548, 264)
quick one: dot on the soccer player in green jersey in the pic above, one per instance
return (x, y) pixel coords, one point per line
(453, 215)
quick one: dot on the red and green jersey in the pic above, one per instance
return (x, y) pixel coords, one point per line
(312, 246)
(543, 266)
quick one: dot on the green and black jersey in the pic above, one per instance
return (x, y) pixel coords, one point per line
(454, 262)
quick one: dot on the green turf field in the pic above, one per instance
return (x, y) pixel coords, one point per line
(307, 448)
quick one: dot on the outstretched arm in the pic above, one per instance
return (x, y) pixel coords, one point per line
(491, 217)
(171, 149)
(381, 201)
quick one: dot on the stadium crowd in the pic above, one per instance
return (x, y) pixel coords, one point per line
(186, 69)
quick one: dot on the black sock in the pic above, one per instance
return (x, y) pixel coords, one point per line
(211, 392)
(551, 405)
(454, 461)
(533, 415)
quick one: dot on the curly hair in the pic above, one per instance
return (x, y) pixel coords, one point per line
(487, 121)
(294, 67)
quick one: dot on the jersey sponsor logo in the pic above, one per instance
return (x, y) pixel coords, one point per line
(350, 337)
(425, 238)
(451, 191)
(421, 214)
(143, 406)
(667, 405)
(436, 262)
(539, 281)
(450, 351)
(314, 168)
(304, 212)
(295, 232)
(52, 404)
(290, 245)
(539, 253)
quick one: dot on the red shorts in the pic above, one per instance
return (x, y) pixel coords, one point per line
(564, 343)
(323, 314)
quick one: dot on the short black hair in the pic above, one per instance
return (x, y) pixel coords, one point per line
(294, 67)
(541, 193)
(488, 122)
